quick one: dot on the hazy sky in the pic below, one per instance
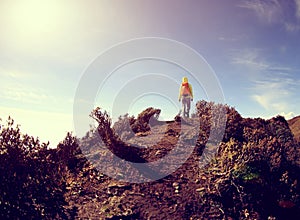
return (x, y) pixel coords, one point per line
(45, 46)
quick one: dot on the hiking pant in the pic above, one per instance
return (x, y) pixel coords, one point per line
(186, 105)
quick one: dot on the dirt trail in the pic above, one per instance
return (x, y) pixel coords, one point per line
(253, 175)
(160, 199)
(143, 168)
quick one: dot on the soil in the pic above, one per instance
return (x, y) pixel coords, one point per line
(253, 175)
(144, 168)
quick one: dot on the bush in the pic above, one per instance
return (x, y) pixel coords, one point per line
(29, 183)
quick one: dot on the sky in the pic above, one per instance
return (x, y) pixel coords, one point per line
(252, 46)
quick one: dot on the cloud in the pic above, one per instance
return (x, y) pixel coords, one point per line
(275, 12)
(14, 74)
(288, 115)
(253, 59)
(268, 11)
(274, 86)
(297, 2)
(22, 94)
(263, 100)
(249, 58)
(19, 94)
(28, 87)
(291, 27)
(275, 94)
(270, 101)
(228, 39)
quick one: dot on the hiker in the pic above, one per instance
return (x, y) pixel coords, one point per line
(186, 95)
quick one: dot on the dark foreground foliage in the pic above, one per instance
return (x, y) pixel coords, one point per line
(254, 174)
(32, 176)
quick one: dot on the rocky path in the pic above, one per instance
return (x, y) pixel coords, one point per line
(254, 174)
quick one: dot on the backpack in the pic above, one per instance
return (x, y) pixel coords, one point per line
(185, 89)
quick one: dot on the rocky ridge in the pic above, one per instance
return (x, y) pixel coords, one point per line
(252, 173)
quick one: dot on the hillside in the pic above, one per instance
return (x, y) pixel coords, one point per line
(294, 124)
(253, 175)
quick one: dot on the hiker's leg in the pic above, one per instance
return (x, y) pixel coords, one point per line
(184, 103)
(188, 103)
(183, 107)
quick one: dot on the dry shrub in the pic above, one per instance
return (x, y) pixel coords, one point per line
(31, 183)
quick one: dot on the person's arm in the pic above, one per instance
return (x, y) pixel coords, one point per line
(180, 95)
(191, 89)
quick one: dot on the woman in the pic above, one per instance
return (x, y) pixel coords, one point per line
(186, 95)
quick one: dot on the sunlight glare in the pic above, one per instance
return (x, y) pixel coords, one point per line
(33, 19)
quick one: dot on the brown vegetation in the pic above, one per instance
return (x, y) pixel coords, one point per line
(294, 124)
(253, 175)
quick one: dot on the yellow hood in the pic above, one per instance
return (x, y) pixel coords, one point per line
(184, 79)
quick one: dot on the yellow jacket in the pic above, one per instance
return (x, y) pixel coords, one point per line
(185, 89)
